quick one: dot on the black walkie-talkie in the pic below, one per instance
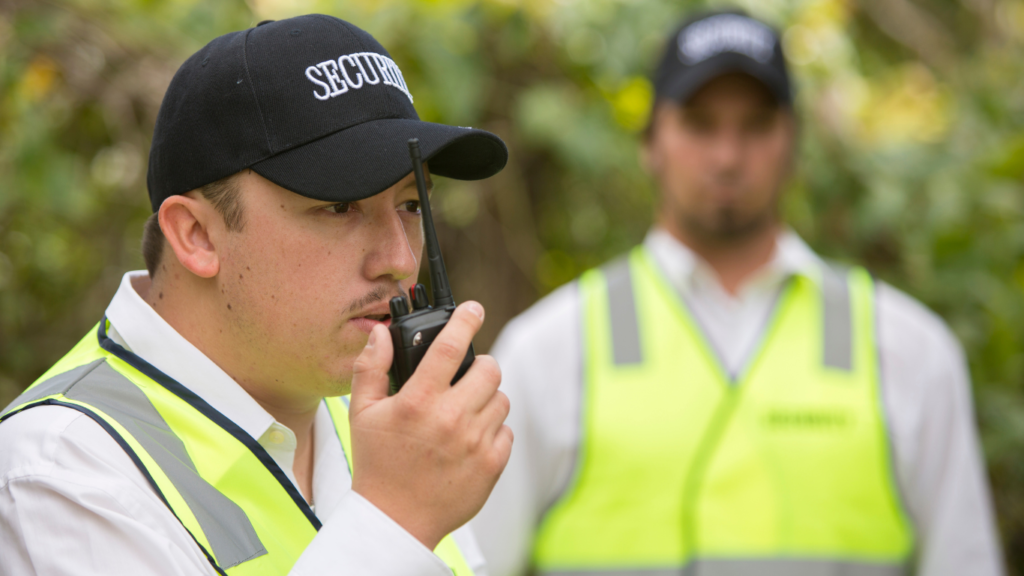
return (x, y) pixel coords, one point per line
(413, 331)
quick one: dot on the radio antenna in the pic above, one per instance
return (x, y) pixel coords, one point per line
(438, 275)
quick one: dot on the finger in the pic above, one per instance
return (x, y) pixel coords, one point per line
(370, 371)
(503, 445)
(446, 352)
(495, 413)
(478, 385)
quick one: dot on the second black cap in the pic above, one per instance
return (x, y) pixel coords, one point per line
(717, 43)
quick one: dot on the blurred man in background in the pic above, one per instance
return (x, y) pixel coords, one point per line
(722, 401)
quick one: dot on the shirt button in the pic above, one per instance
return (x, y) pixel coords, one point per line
(277, 437)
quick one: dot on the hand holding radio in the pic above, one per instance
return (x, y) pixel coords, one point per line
(425, 452)
(429, 456)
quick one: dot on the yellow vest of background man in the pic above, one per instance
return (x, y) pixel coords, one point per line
(238, 505)
(782, 470)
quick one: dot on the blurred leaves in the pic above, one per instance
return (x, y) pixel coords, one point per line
(912, 156)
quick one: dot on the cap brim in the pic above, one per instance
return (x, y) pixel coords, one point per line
(368, 158)
(683, 87)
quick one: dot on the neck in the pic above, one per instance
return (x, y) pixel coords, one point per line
(734, 260)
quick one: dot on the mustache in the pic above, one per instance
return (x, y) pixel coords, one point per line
(727, 177)
(379, 293)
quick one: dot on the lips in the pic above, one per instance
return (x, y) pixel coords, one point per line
(366, 323)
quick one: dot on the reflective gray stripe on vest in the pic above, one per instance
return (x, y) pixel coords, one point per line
(59, 384)
(838, 321)
(791, 567)
(231, 535)
(750, 567)
(837, 328)
(615, 572)
(622, 307)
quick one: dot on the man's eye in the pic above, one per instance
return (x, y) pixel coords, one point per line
(412, 206)
(760, 124)
(340, 208)
(699, 124)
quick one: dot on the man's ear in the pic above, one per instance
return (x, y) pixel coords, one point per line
(185, 222)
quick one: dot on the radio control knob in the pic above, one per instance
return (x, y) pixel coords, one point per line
(399, 307)
(419, 297)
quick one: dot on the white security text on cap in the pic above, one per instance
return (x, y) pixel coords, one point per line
(353, 72)
(725, 33)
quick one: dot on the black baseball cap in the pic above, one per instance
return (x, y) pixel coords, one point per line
(313, 104)
(713, 44)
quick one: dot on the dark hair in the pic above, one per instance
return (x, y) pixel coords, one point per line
(225, 196)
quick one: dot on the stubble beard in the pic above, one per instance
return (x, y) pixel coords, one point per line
(726, 227)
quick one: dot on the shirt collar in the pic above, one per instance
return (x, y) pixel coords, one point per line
(149, 336)
(684, 268)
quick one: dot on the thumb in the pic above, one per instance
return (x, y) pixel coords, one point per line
(370, 371)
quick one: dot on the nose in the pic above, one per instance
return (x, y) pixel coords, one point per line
(727, 150)
(389, 253)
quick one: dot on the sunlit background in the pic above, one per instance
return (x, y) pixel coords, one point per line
(912, 156)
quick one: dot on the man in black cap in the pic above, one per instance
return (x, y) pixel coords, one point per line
(199, 428)
(721, 401)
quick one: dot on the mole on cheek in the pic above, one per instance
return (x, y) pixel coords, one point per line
(229, 306)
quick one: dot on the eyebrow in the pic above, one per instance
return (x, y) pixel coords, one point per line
(430, 184)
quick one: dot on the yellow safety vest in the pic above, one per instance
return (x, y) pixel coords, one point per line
(224, 488)
(782, 470)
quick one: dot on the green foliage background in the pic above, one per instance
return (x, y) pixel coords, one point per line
(912, 155)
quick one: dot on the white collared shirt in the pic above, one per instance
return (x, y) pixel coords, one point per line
(72, 501)
(925, 389)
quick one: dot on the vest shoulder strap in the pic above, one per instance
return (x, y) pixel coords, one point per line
(837, 317)
(625, 329)
(108, 397)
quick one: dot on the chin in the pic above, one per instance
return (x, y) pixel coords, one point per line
(338, 380)
(334, 385)
(339, 390)
(726, 225)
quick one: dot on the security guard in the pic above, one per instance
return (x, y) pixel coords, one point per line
(721, 401)
(199, 427)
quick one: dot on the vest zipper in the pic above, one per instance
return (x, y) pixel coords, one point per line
(705, 452)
